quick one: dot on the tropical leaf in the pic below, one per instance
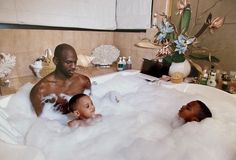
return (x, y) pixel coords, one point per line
(185, 20)
(168, 59)
(208, 58)
(197, 66)
(178, 57)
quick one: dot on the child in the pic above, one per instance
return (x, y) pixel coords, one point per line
(194, 111)
(83, 109)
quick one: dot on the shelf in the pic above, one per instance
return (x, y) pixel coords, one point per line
(16, 83)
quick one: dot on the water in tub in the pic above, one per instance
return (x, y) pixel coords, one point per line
(139, 127)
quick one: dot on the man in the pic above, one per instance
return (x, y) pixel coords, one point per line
(63, 80)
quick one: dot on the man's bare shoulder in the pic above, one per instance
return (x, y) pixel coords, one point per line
(84, 80)
(44, 82)
(81, 76)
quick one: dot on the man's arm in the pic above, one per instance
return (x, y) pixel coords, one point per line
(87, 82)
(35, 98)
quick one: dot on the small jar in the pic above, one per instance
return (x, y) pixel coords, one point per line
(225, 85)
(225, 81)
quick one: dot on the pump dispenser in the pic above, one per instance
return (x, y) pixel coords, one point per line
(120, 64)
(129, 63)
(212, 77)
(124, 63)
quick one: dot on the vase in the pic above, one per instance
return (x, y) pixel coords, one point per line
(182, 67)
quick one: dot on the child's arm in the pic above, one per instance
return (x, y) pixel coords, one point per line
(95, 116)
(77, 122)
(74, 123)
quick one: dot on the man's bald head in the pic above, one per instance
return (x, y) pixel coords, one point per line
(63, 48)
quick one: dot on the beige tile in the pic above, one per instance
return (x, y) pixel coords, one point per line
(68, 37)
(21, 41)
(6, 40)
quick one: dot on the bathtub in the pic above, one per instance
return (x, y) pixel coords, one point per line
(143, 124)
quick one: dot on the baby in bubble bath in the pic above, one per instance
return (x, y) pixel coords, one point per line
(83, 110)
(194, 111)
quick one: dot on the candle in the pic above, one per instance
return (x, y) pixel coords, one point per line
(154, 21)
(168, 7)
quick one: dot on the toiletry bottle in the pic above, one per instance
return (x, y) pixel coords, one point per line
(120, 64)
(212, 78)
(124, 63)
(129, 63)
(154, 21)
(225, 81)
(204, 77)
(218, 79)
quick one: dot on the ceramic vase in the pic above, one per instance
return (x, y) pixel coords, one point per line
(182, 67)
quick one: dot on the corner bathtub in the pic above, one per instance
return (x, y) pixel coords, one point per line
(141, 125)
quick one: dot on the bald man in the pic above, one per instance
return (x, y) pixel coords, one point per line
(63, 80)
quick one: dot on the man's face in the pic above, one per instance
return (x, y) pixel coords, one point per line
(85, 108)
(67, 63)
(189, 112)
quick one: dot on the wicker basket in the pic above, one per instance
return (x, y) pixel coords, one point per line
(47, 68)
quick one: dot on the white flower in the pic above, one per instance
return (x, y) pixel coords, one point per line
(7, 62)
(182, 43)
(165, 27)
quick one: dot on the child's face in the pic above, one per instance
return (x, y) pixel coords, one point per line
(190, 111)
(84, 107)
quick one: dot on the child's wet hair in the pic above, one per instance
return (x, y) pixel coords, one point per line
(73, 100)
(205, 112)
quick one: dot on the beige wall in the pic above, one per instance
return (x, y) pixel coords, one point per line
(222, 43)
(28, 44)
(126, 41)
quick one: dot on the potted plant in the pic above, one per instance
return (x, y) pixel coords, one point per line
(176, 46)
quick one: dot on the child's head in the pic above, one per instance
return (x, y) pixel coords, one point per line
(82, 106)
(194, 111)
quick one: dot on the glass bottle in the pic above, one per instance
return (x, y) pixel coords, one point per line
(129, 63)
(204, 77)
(120, 64)
(124, 63)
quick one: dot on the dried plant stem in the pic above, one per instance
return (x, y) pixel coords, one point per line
(203, 13)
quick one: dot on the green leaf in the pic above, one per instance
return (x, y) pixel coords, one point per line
(177, 57)
(168, 59)
(185, 19)
(171, 36)
(203, 57)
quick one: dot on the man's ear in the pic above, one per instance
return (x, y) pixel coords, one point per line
(76, 113)
(195, 119)
(55, 60)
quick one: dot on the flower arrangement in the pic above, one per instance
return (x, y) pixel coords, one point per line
(7, 63)
(176, 44)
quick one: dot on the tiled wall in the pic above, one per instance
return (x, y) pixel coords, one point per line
(126, 43)
(27, 44)
(222, 43)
